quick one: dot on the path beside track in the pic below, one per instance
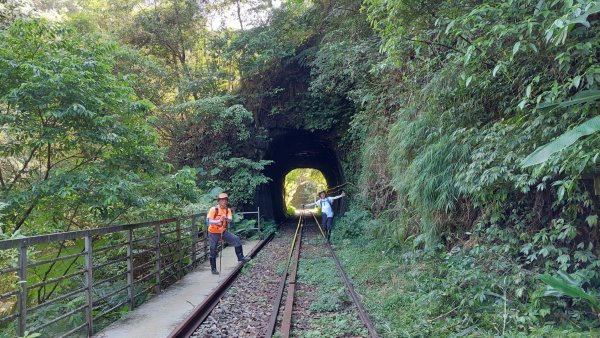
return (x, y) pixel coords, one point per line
(159, 316)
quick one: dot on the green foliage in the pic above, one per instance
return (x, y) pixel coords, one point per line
(302, 186)
(246, 228)
(434, 105)
(243, 176)
(73, 134)
(267, 227)
(569, 286)
(332, 300)
(590, 126)
(340, 326)
(31, 335)
(477, 290)
(352, 224)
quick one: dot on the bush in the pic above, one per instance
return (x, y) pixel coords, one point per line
(352, 224)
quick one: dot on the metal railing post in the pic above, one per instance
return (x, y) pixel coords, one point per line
(130, 278)
(22, 295)
(158, 258)
(194, 233)
(179, 249)
(258, 219)
(21, 317)
(89, 282)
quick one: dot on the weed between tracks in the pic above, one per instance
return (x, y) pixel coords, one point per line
(327, 308)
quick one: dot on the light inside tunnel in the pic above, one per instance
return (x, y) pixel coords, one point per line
(301, 186)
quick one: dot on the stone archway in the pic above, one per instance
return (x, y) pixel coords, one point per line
(296, 149)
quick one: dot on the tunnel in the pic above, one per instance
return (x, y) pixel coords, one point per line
(291, 150)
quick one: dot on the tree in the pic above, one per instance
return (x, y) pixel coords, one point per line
(73, 135)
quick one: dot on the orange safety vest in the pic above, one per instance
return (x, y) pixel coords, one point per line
(217, 213)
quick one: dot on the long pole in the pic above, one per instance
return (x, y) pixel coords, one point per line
(221, 254)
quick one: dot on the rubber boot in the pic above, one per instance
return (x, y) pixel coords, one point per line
(328, 235)
(213, 266)
(239, 252)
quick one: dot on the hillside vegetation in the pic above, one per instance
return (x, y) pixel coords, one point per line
(119, 109)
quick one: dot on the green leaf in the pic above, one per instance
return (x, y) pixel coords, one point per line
(559, 23)
(516, 47)
(541, 154)
(594, 10)
(546, 106)
(496, 69)
(585, 96)
(576, 81)
(592, 220)
(567, 288)
(582, 19)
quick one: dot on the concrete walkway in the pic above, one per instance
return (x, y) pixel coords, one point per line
(160, 315)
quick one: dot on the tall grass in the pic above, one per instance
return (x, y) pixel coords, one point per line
(423, 168)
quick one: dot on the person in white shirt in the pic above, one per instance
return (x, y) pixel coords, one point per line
(326, 204)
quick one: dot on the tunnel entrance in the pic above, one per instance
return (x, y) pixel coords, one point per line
(301, 186)
(291, 150)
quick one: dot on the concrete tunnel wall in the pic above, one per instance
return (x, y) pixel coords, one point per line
(291, 150)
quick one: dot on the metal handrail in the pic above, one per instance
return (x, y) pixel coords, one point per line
(8, 270)
(56, 280)
(9, 294)
(54, 300)
(111, 279)
(57, 259)
(110, 247)
(103, 265)
(9, 318)
(111, 309)
(148, 263)
(112, 293)
(165, 252)
(61, 236)
(141, 239)
(73, 330)
(59, 318)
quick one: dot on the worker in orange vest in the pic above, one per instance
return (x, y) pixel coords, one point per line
(218, 218)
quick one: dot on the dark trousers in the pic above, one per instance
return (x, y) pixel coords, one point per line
(213, 240)
(327, 223)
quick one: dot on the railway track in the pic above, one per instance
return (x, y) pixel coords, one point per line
(282, 313)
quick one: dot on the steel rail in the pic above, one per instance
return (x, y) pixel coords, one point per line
(277, 300)
(286, 322)
(364, 317)
(198, 316)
